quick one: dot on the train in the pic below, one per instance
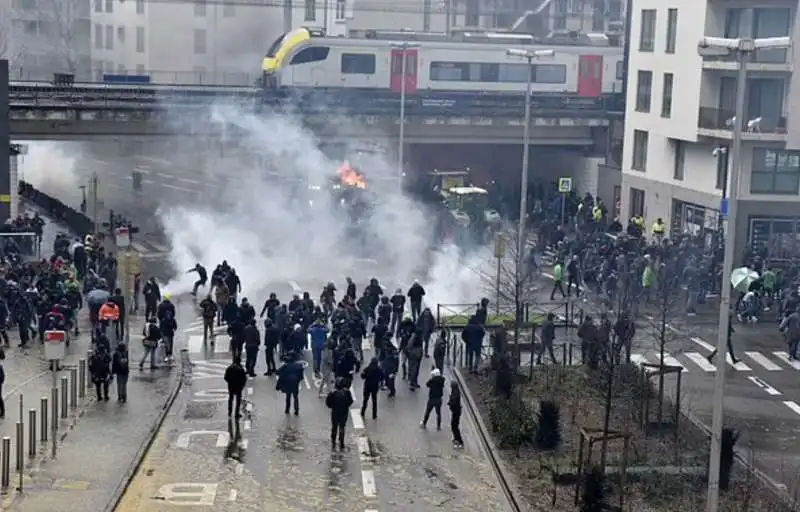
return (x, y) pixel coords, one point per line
(582, 66)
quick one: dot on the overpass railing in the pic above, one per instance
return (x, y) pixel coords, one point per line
(100, 75)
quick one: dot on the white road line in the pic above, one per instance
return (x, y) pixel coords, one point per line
(738, 366)
(784, 356)
(703, 344)
(249, 391)
(671, 361)
(239, 469)
(358, 421)
(233, 494)
(249, 407)
(363, 448)
(701, 361)
(139, 248)
(159, 246)
(763, 385)
(792, 405)
(295, 287)
(247, 425)
(763, 361)
(368, 483)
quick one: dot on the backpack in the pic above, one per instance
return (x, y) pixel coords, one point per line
(123, 360)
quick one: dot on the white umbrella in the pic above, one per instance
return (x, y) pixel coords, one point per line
(742, 278)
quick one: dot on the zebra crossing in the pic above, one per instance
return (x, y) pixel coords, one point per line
(150, 249)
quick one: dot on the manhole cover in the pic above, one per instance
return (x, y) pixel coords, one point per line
(199, 411)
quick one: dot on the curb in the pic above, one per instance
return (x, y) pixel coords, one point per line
(138, 459)
(508, 483)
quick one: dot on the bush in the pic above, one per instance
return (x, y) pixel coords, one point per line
(594, 492)
(504, 377)
(727, 456)
(512, 422)
(548, 434)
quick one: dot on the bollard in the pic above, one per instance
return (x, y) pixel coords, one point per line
(64, 391)
(82, 378)
(20, 446)
(54, 408)
(21, 409)
(43, 418)
(32, 433)
(5, 465)
(73, 387)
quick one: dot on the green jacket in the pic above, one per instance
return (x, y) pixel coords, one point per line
(558, 272)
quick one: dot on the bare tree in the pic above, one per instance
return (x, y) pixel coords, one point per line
(11, 49)
(69, 30)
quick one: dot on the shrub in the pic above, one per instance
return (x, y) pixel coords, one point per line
(593, 496)
(727, 456)
(512, 421)
(548, 433)
(504, 377)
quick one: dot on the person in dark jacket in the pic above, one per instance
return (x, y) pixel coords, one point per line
(209, 311)
(120, 368)
(390, 362)
(100, 366)
(472, 335)
(290, 374)
(346, 364)
(454, 402)
(547, 337)
(152, 335)
(2, 384)
(119, 325)
(252, 340)
(373, 376)
(440, 350)
(272, 338)
(415, 295)
(236, 378)
(435, 394)
(339, 402)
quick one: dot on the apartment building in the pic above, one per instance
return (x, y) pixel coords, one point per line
(42, 37)
(680, 117)
(200, 42)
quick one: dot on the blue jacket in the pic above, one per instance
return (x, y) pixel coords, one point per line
(319, 335)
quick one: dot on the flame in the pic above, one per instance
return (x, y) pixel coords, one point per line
(351, 177)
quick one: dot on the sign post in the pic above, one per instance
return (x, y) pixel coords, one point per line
(500, 247)
(55, 350)
(564, 187)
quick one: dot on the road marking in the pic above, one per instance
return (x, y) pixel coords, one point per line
(246, 425)
(249, 391)
(239, 469)
(738, 366)
(671, 361)
(368, 483)
(784, 356)
(295, 287)
(233, 494)
(763, 385)
(159, 246)
(792, 405)
(358, 421)
(363, 448)
(707, 346)
(701, 361)
(245, 443)
(763, 361)
(195, 345)
(139, 248)
(249, 407)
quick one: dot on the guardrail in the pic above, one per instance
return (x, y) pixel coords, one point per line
(99, 76)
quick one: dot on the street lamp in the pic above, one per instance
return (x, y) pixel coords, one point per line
(742, 49)
(530, 56)
(404, 48)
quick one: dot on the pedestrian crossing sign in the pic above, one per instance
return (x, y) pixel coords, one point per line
(564, 185)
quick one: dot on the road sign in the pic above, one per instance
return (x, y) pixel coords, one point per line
(123, 238)
(723, 207)
(500, 246)
(55, 345)
(564, 185)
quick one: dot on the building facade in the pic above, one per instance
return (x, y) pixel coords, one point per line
(680, 117)
(42, 37)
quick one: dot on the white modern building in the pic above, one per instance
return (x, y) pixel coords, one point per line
(680, 115)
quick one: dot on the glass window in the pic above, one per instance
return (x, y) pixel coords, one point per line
(636, 206)
(139, 39)
(771, 22)
(109, 37)
(644, 89)
(98, 36)
(121, 34)
(199, 41)
(640, 143)
(672, 30)
(733, 23)
(666, 96)
(139, 6)
(493, 73)
(358, 63)
(199, 7)
(647, 35)
(447, 71)
(680, 159)
(549, 73)
(310, 10)
(620, 70)
(311, 54)
(775, 172)
(599, 16)
(109, 5)
(340, 9)
(98, 5)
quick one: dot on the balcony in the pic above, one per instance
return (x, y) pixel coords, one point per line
(777, 60)
(718, 124)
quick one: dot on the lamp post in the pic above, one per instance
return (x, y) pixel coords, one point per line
(743, 49)
(529, 56)
(404, 48)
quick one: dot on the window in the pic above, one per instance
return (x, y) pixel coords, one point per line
(775, 172)
(139, 6)
(680, 159)
(121, 34)
(199, 41)
(636, 206)
(472, 14)
(199, 8)
(311, 10)
(764, 99)
(771, 22)
(341, 6)
(228, 9)
(672, 30)
(109, 6)
(620, 70)
(493, 73)
(599, 16)
(666, 96)
(98, 5)
(139, 39)
(311, 54)
(98, 36)
(647, 36)
(644, 90)
(640, 142)
(109, 37)
(615, 10)
(140, 69)
(358, 63)
(733, 23)
(31, 27)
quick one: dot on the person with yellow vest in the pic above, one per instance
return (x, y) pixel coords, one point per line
(597, 213)
(658, 229)
(109, 313)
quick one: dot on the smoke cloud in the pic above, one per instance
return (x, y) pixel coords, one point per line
(276, 222)
(51, 168)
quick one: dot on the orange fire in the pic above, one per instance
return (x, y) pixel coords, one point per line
(351, 177)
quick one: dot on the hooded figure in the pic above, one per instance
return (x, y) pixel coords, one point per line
(435, 386)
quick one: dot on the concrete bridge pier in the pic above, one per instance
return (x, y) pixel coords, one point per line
(5, 146)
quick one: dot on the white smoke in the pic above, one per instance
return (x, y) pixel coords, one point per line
(50, 167)
(268, 224)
